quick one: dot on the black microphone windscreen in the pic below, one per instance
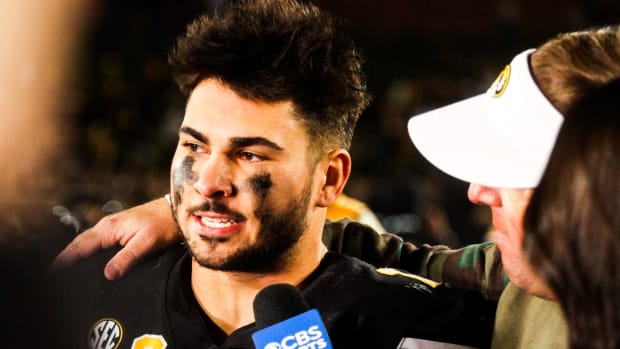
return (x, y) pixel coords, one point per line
(276, 303)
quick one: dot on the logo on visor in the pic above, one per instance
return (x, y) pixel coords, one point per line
(499, 85)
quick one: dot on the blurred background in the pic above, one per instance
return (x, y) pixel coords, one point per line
(114, 123)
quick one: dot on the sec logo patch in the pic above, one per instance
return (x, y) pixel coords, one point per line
(105, 334)
(149, 341)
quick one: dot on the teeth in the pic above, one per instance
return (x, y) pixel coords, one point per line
(217, 222)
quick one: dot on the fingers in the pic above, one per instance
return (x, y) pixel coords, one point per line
(82, 246)
(121, 263)
(102, 235)
(141, 245)
(142, 230)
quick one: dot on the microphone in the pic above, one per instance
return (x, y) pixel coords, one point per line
(285, 321)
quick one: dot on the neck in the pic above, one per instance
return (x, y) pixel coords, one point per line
(227, 297)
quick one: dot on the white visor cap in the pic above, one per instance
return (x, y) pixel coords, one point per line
(502, 138)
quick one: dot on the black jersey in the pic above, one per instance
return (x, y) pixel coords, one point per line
(362, 307)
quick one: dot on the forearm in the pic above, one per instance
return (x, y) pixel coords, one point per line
(476, 267)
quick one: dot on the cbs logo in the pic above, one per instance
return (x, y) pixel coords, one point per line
(310, 339)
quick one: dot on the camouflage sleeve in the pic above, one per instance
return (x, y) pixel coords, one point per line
(475, 266)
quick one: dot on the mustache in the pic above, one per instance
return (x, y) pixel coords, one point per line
(217, 207)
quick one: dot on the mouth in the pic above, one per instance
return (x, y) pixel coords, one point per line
(216, 225)
(218, 222)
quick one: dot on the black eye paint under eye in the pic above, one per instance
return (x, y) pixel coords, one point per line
(182, 174)
(260, 184)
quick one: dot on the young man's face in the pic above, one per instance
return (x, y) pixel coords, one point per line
(508, 208)
(241, 179)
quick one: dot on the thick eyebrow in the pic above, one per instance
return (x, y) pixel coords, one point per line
(241, 142)
(194, 133)
(238, 142)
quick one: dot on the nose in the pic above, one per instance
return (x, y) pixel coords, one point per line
(479, 194)
(215, 178)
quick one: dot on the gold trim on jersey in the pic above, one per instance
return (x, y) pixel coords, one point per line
(393, 272)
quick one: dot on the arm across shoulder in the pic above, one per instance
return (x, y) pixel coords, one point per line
(477, 267)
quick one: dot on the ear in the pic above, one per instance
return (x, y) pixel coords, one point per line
(336, 171)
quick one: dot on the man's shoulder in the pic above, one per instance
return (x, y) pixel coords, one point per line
(156, 264)
(85, 285)
(383, 290)
(398, 303)
(90, 303)
(358, 272)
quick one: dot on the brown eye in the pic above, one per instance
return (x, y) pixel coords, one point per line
(193, 147)
(251, 157)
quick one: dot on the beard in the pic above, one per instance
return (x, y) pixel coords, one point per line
(279, 232)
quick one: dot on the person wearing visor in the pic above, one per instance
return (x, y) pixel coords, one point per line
(496, 140)
(499, 141)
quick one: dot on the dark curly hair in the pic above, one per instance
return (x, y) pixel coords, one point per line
(279, 50)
